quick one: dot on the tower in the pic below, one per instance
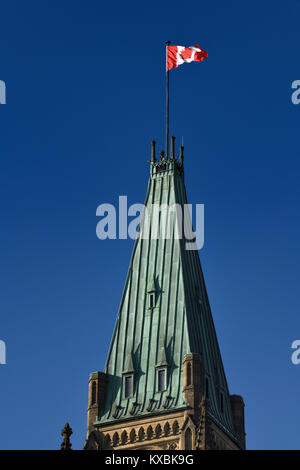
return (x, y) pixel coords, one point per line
(164, 385)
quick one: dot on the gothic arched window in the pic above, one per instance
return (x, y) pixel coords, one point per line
(188, 374)
(188, 439)
(94, 393)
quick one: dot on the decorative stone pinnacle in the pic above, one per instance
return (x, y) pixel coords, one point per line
(205, 403)
(66, 433)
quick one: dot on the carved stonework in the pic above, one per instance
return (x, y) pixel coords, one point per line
(97, 441)
(205, 438)
(66, 433)
(172, 446)
(178, 431)
(148, 434)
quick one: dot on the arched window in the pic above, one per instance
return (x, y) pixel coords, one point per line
(124, 437)
(188, 439)
(167, 429)
(141, 434)
(158, 431)
(175, 427)
(116, 439)
(94, 393)
(107, 442)
(188, 374)
(132, 435)
(149, 432)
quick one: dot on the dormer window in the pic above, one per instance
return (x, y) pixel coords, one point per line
(161, 379)
(128, 385)
(152, 293)
(151, 300)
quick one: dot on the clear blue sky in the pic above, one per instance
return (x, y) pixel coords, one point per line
(85, 96)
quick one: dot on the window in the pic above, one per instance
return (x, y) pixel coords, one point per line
(94, 392)
(128, 386)
(188, 439)
(151, 300)
(188, 374)
(161, 376)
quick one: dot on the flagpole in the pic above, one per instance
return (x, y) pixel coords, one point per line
(167, 104)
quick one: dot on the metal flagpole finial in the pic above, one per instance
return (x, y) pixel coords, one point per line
(167, 102)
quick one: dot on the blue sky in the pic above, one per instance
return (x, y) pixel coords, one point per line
(85, 96)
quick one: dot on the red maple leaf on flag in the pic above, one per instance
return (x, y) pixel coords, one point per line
(186, 53)
(177, 55)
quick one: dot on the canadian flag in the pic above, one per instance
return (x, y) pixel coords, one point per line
(177, 55)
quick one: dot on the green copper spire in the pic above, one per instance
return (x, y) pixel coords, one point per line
(154, 335)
